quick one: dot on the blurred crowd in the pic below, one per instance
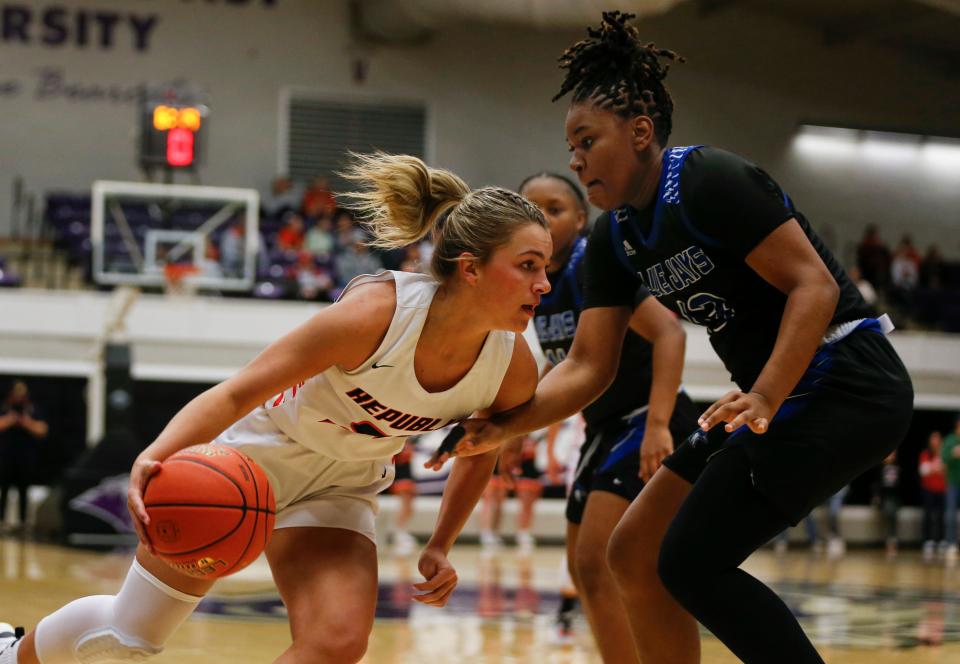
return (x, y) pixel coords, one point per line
(310, 246)
(922, 290)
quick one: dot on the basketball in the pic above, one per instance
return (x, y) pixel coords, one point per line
(211, 511)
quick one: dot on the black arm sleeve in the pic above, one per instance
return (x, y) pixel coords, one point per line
(732, 201)
(608, 284)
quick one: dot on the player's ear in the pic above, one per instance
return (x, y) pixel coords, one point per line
(469, 267)
(641, 127)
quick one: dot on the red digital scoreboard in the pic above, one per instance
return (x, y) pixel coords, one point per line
(172, 135)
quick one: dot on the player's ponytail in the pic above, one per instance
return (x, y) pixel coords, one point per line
(402, 200)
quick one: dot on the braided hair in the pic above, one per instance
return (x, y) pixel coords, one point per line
(613, 68)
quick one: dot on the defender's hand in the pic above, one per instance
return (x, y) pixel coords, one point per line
(736, 409)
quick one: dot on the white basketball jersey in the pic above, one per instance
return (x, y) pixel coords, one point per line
(368, 412)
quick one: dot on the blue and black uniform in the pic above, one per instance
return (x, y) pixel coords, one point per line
(616, 421)
(853, 405)
(848, 411)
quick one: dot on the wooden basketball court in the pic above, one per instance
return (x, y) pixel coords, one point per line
(861, 609)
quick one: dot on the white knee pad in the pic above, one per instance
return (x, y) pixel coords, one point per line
(129, 626)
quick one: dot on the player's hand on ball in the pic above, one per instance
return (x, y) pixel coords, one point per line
(737, 408)
(441, 578)
(469, 438)
(142, 471)
(656, 446)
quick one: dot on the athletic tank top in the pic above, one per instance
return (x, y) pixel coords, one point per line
(368, 412)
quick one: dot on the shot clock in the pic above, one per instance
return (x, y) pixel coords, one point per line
(172, 133)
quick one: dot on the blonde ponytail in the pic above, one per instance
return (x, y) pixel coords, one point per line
(400, 198)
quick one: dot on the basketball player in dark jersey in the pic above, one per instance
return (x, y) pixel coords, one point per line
(822, 394)
(642, 405)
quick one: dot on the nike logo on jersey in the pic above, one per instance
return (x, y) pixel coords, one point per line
(677, 272)
(380, 366)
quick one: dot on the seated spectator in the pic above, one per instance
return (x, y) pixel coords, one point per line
(873, 258)
(346, 232)
(290, 238)
(282, 198)
(22, 427)
(933, 481)
(318, 201)
(313, 282)
(319, 240)
(354, 261)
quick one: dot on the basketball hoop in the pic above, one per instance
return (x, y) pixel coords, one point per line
(177, 278)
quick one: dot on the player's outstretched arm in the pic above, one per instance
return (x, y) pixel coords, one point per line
(570, 386)
(466, 483)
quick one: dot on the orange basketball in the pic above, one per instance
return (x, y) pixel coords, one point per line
(211, 511)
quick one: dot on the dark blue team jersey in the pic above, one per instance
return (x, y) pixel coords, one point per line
(689, 246)
(556, 323)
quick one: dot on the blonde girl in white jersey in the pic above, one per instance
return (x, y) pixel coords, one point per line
(396, 355)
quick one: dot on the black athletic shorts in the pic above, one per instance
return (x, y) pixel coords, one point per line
(850, 409)
(610, 457)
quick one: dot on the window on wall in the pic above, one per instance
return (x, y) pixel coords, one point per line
(321, 133)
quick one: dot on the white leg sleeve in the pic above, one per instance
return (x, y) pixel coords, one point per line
(129, 626)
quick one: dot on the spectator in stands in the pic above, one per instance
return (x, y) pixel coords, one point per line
(282, 198)
(865, 287)
(905, 267)
(887, 498)
(873, 258)
(931, 268)
(950, 454)
(232, 248)
(22, 427)
(318, 201)
(346, 231)
(933, 482)
(313, 281)
(354, 261)
(290, 238)
(210, 265)
(904, 276)
(319, 239)
(411, 259)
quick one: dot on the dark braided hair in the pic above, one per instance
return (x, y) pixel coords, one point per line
(617, 71)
